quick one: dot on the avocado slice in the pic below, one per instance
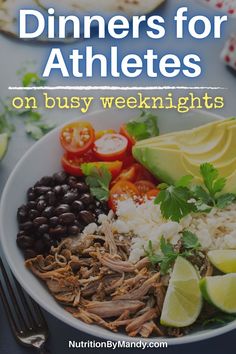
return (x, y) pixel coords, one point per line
(170, 156)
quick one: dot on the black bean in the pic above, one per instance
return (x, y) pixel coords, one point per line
(98, 211)
(82, 187)
(48, 212)
(22, 213)
(51, 198)
(59, 230)
(41, 205)
(91, 207)
(74, 230)
(31, 194)
(54, 221)
(26, 226)
(39, 246)
(78, 224)
(60, 177)
(65, 188)
(69, 197)
(72, 181)
(42, 190)
(32, 204)
(43, 229)
(58, 190)
(61, 209)
(86, 217)
(66, 218)
(40, 221)
(86, 199)
(46, 239)
(29, 254)
(21, 233)
(46, 181)
(77, 206)
(24, 242)
(33, 214)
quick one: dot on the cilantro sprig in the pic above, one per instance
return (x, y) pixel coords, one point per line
(98, 179)
(183, 197)
(168, 255)
(144, 127)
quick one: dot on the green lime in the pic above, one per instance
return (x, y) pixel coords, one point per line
(220, 291)
(3, 144)
(224, 260)
(183, 301)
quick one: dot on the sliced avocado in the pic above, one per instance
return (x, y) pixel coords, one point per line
(171, 156)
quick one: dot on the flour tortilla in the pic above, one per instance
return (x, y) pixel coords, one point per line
(9, 12)
(130, 7)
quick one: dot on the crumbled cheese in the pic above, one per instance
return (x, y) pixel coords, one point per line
(215, 230)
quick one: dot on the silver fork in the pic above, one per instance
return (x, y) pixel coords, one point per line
(25, 316)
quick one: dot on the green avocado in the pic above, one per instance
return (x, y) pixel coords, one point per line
(170, 156)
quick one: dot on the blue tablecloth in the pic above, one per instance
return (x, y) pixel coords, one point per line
(216, 73)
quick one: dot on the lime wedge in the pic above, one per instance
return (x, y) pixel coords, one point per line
(3, 144)
(224, 260)
(220, 291)
(183, 301)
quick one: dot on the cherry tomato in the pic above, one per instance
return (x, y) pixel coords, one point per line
(127, 174)
(128, 161)
(100, 133)
(71, 163)
(144, 186)
(111, 147)
(114, 166)
(131, 140)
(121, 191)
(153, 193)
(77, 137)
(143, 174)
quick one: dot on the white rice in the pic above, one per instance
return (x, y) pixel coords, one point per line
(215, 230)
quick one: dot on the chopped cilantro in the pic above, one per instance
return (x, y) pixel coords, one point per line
(144, 127)
(168, 255)
(98, 179)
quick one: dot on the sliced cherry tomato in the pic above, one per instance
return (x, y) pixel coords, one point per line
(114, 166)
(100, 133)
(121, 191)
(143, 174)
(144, 186)
(128, 161)
(77, 137)
(127, 174)
(124, 132)
(153, 193)
(71, 163)
(111, 147)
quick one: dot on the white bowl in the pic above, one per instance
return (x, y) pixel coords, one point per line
(44, 159)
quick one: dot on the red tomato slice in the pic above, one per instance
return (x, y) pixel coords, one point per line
(144, 186)
(127, 174)
(100, 133)
(153, 193)
(114, 166)
(71, 163)
(121, 191)
(111, 147)
(143, 174)
(124, 132)
(77, 137)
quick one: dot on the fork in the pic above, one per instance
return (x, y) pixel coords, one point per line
(25, 316)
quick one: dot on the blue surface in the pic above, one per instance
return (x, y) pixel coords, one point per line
(13, 54)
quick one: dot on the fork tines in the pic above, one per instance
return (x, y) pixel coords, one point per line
(25, 316)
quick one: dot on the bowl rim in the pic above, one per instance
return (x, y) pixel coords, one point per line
(93, 329)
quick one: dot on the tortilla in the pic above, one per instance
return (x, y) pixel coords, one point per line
(130, 7)
(9, 10)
